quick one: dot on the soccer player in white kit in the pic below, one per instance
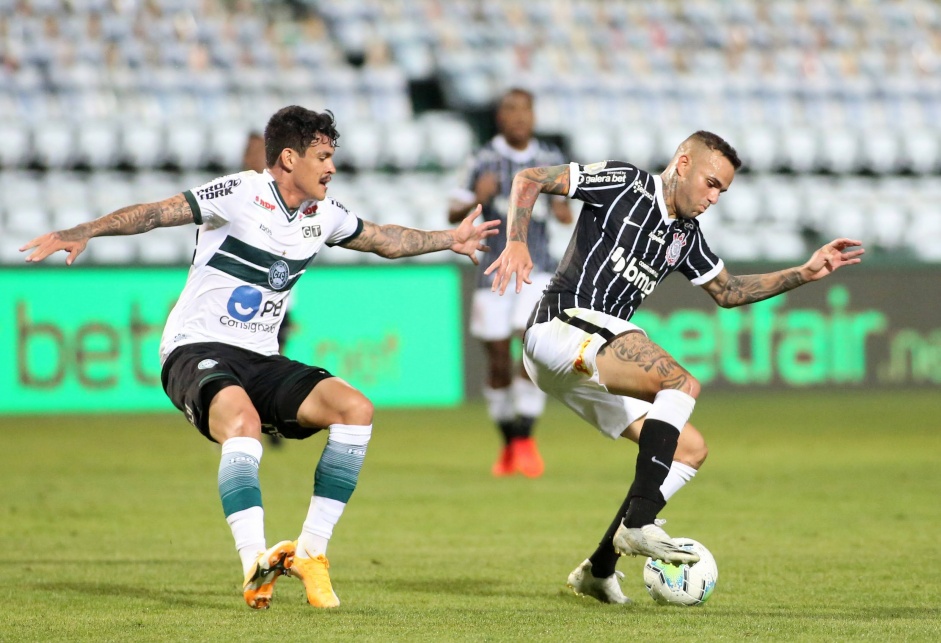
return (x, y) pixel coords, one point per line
(634, 230)
(258, 234)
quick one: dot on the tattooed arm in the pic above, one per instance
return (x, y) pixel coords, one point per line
(133, 219)
(393, 241)
(528, 184)
(730, 291)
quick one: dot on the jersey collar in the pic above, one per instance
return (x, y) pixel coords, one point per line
(290, 214)
(515, 155)
(658, 190)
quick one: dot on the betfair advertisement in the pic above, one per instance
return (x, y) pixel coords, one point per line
(86, 339)
(863, 326)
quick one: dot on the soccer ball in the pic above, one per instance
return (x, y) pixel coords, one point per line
(682, 585)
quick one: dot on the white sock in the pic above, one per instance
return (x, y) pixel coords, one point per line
(247, 525)
(528, 399)
(679, 475)
(248, 528)
(322, 516)
(499, 403)
(339, 465)
(673, 407)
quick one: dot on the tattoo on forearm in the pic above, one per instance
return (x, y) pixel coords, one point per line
(748, 289)
(134, 219)
(527, 186)
(392, 241)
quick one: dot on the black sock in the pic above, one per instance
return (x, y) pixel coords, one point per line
(657, 445)
(524, 426)
(605, 558)
(507, 429)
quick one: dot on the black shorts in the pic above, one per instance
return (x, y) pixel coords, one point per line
(276, 385)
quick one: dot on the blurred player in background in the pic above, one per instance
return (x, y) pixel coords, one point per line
(513, 401)
(635, 229)
(258, 234)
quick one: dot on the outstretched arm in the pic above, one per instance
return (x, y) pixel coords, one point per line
(528, 184)
(393, 241)
(730, 290)
(133, 219)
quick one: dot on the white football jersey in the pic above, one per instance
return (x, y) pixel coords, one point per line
(250, 251)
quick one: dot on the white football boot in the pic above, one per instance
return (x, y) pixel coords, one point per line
(651, 540)
(606, 590)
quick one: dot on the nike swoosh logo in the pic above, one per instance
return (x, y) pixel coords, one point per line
(660, 463)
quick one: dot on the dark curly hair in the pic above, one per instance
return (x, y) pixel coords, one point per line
(296, 128)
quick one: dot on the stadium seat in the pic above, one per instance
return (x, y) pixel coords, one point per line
(449, 141)
(361, 144)
(113, 250)
(636, 145)
(404, 145)
(15, 150)
(185, 145)
(590, 144)
(53, 144)
(142, 144)
(839, 151)
(97, 144)
(798, 149)
(758, 148)
(226, 144)
(921, 149)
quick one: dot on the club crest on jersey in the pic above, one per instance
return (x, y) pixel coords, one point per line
(676, 247)
(278, 275)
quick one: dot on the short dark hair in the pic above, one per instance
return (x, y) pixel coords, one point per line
(719, 144)
(518, 91)
(296, 128)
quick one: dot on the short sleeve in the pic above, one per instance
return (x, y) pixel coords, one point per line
(348, 225)
(596, 182)
(701, 265)
(215, 203)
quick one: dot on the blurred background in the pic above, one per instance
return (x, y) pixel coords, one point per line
(834, 106)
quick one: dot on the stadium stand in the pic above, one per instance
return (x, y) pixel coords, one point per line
(835, 106)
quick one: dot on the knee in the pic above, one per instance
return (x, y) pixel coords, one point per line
(691, 448)
(356, 410)
(694, 387)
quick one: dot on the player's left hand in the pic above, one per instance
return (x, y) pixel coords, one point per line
(831, 257)
(52, 242)
(514, 259)
(468, 237)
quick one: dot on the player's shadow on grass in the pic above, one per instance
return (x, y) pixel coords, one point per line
(172, 598)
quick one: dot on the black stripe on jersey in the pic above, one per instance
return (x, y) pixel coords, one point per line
(253, 265)
(258, 257)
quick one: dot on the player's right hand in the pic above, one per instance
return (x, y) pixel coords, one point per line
(514, 259)
(487, 187)
(52, 242)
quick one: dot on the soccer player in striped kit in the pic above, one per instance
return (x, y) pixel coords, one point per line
(513, 401)
(580, 346)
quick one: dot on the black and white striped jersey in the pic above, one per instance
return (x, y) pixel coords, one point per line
(624, 244)
(498, 157)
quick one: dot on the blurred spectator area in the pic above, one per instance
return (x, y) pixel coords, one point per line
(834, 105)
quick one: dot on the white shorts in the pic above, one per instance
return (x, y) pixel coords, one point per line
(560, 359)
(495, 316)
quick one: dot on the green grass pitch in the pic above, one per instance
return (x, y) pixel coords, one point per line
(821, 508)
